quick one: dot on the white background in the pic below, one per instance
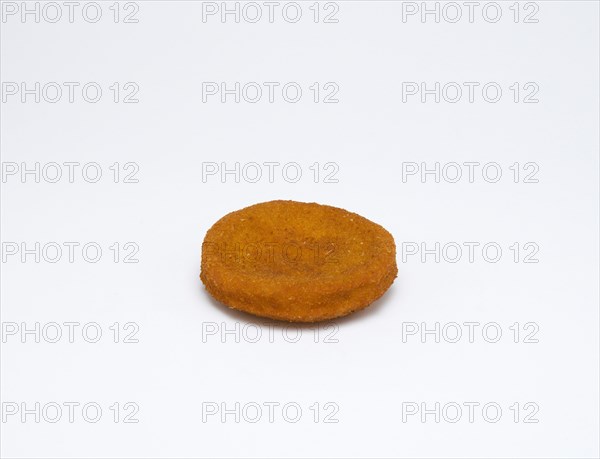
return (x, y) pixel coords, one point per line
(369, 372)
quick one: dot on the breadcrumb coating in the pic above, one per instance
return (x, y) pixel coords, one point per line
(296, 261)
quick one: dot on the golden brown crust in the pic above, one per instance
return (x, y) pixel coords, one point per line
(296, 261)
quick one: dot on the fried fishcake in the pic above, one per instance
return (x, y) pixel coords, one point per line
(296, 261)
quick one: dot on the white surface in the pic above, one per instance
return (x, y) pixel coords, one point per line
(369, 372)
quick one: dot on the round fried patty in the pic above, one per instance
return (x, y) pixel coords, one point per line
(296, 261)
